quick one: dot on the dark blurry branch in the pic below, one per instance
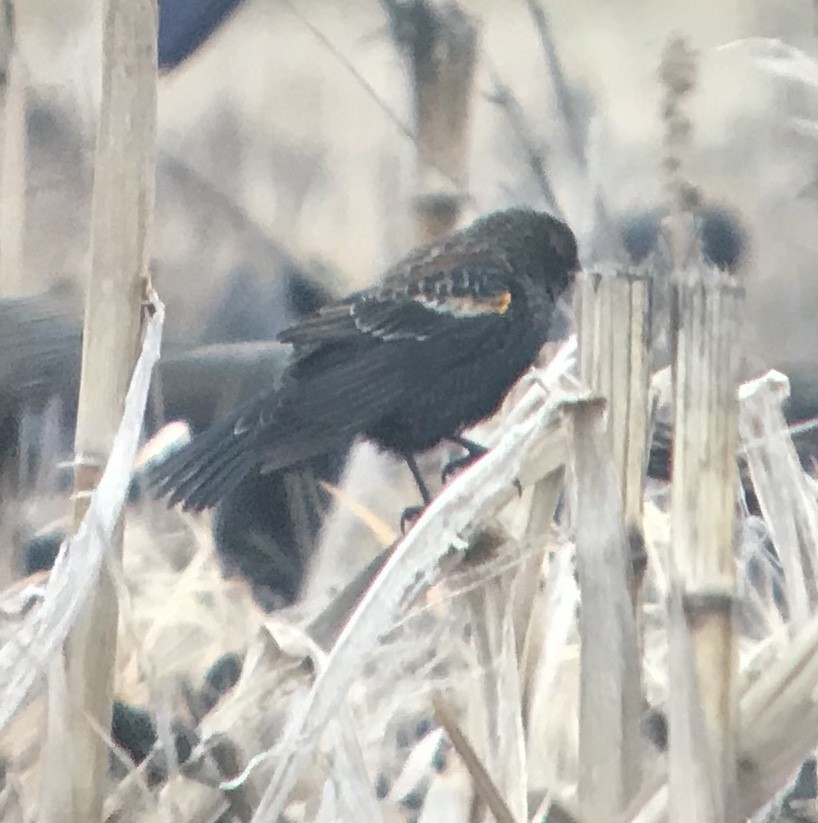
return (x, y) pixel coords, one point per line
(13, 157)
(122, 215)
(439, 44)
(185, 26)
(503, 97)
(201, 187)
(483, 784)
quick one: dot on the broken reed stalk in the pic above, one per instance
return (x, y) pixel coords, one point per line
(610, 690)
(122, 212)
(613, 331)
(496, 715)
(483, 784)
(784, 495)
(440, 44)
(13, 278)
(702, 642)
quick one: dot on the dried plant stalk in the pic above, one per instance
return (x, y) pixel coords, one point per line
(787, 502)
(778, 720)
(440, 43)
(483, 784)
(12, 159)
(121, 223)
(496, 717)
(702, 642)
(610, 693)
(614, 343)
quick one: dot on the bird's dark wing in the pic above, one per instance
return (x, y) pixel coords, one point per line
(359, 361)
(415, 307)
(355, 363)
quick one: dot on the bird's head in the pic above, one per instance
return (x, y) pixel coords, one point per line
(536, 244)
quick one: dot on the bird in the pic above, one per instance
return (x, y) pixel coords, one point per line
(408, 363)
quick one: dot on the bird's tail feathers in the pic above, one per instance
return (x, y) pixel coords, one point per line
(205, 470)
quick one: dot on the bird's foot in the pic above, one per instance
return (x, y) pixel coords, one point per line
(410, 514)
(454, 466)
(475, 452)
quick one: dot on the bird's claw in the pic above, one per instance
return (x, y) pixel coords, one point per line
(475, 452)
(454, 466)
(410, 514)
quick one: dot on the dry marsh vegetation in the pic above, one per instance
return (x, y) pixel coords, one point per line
(643, 655)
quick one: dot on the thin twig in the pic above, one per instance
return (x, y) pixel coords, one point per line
(554, 65)
(391, 115)
(483, 784)
(609, 240)
(503, 97)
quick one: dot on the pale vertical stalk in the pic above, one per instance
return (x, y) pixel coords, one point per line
(614, 345)
(703, 650)
(12, 160)
(440, 44)
(122, 212)
(497, 712)
(610, 694)
(784, 492)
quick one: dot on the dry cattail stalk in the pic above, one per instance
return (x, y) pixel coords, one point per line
(610, 691)
(122, 213)
(440, 43)
(703, 653)
(613, 331)
(13, 278)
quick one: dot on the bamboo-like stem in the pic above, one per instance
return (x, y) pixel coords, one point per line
(440, 43)
(610, 693)
(706, 310)
(614, 344)
(13, 278)
(122, 213)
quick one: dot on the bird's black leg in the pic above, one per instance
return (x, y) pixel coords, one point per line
(411, 512)
(474, 451)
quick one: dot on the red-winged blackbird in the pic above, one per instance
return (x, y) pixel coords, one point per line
(411, 362)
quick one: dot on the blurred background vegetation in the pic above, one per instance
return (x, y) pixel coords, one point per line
(268, 145)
